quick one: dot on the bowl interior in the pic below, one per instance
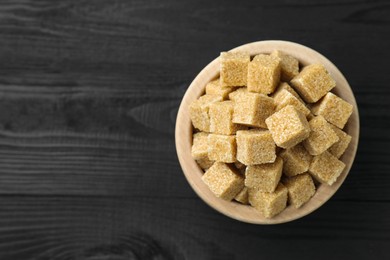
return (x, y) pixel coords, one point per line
(193, 173)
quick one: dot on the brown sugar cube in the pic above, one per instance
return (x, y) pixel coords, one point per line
(242, 196)
(199, 150)
(289, 65)
(222, 148)
(237, 93)
(221, 116)
(263, 74)
(313, 82)
(288, 127)
(285, 86)
(264, 177)
(199, 112)
(285, 98)
(296, 160)
(252, 109)
(339, 147)
(326, 168)
(234, 68)
(255, 146)
(300, 189)
(204, 163)
(224, 182)
(321, 136)
(334, 109)
(214, 88)
(269, 204)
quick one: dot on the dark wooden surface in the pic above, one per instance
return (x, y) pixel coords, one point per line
(89, 92)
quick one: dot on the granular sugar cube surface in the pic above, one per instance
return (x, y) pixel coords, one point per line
(321, 136)
(264, 177)
(326, 168)
(221, 116)
(255, 146)
(223, 181)
(199, 111)
(289, 65)
(252, 109)
(264, 74)
(199, 150)
(269, 204)
(242, 196)
(234, 68)
(285, 86)
(285, 98)
(300, 189)
(222, 148)
(296, 160)
(334, 109)
(237, 94)
(288, 127)
(313, 82)
(339, 147)
(204, 163)
(214, 88)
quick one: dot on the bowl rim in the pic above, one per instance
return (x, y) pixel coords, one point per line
(189, 166)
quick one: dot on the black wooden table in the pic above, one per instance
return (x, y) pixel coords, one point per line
(89, 94)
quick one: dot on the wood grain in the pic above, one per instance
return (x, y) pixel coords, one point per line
(65, 227)
(89, 92)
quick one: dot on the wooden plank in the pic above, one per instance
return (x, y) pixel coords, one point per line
(88, 99)
(78, 228)
(62, 142)
(97, 164)
(123, 38)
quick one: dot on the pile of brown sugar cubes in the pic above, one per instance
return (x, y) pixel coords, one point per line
(264, 129)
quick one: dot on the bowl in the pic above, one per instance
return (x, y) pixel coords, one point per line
(193, 173)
